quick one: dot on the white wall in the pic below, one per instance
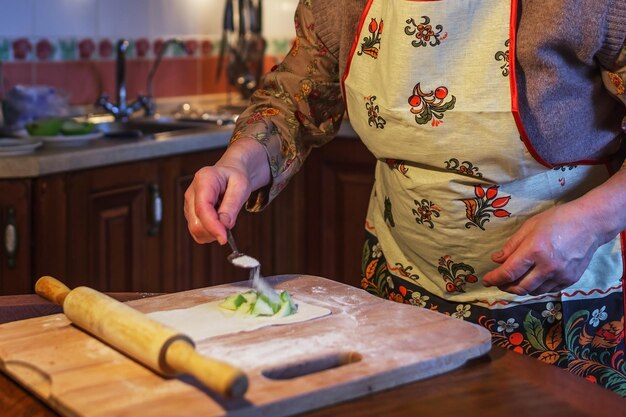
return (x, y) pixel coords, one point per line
(131, 18)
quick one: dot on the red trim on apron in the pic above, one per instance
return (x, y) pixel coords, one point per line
(513, 81)
(354, 46)
(514, 100)
(623, 236)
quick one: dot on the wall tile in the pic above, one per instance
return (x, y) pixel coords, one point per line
(177, 77)
(16, 73)
(278, 18)
(16, 19)
(181, 18)
(67, 23)
(209, 83)
(79, 80)
(123, 18)
(65, 18)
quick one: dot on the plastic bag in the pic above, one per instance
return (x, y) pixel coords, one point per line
(24, 104)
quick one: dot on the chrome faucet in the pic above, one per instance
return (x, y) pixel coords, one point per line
(122, 110)
(148, 99)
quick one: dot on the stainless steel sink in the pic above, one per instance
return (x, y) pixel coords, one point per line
(154, 128)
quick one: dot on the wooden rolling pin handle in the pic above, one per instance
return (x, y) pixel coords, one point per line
(223, 378)
(158, 347)
(52, 289)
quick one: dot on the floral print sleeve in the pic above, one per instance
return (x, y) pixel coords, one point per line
(297, 107)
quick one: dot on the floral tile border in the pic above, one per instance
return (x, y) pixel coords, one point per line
(76, 49)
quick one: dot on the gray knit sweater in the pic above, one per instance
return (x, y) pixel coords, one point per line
(561, 47)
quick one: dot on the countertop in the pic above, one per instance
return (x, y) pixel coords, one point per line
(107, 151)
(498, 384)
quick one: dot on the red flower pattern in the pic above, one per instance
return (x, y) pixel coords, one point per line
(370, 45)
(430, 106)
(142, 46)
(105, 48)
(479, 210)
(86, 48)
(157, 46)
(191, 46)
(21, 48)
(453, 275)
(44, 49)
(206, 47)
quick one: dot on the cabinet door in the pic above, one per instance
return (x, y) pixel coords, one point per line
(50, 229)
(340, 177)
(15, 226)
(113, 235)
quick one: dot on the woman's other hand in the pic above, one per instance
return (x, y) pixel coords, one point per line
(551, 250)
(548, 253)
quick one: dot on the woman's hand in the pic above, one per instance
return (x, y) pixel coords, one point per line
(217, 193)
(551, 250)
(548, 253)
(213, 201)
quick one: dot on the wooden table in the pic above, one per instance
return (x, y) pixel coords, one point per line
(500, 384)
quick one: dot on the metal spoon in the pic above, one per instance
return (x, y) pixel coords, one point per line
(242, 260)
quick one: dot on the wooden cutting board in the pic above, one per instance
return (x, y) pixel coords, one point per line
(78, 375)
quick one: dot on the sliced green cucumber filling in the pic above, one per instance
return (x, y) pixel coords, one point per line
(254, 304)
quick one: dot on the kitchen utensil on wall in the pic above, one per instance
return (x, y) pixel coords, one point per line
(257, 45)
(228, 28)
(242, 57)
(239, 74)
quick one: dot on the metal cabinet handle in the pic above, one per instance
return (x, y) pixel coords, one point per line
(156, 210)
(11, 238)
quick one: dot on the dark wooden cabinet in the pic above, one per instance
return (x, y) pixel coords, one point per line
(122, 227)
(15, 226)
(340, 177)
(113, 226)
(93, 228)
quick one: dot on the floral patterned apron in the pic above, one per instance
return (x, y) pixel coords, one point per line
(430, 88)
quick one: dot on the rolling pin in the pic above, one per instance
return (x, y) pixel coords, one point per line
(160, 348)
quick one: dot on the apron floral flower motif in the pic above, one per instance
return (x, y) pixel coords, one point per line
(434, 98)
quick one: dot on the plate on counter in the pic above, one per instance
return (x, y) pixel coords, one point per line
(68, 140)
(14, 146)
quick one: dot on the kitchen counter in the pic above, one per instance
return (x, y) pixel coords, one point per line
(498, 384)
(106, 151)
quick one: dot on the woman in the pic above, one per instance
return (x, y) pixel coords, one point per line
(499, 194)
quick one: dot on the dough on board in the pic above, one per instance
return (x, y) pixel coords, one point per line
(209, 320)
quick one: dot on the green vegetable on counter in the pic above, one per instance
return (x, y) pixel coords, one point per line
(70, 127)
(54, 127)
(44, 127)
(255, 304)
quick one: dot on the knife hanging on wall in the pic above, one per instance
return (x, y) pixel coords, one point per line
(239, 70)
(228, 28)
(235, 69)
(257, 30)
